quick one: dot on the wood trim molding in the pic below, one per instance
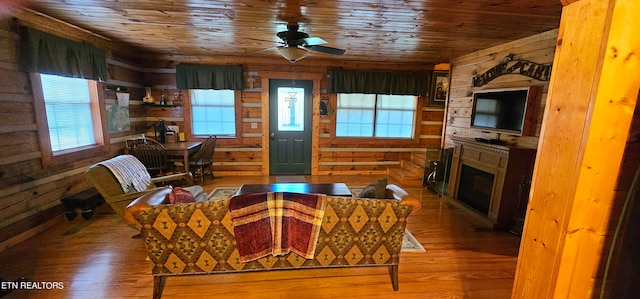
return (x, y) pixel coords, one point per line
(99, 113)
(315, 122)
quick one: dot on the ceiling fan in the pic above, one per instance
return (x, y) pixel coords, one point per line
(296, 44)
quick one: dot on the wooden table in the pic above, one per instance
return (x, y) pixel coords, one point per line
(182, 149)
(337, 189)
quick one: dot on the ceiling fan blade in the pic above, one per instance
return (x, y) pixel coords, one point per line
(312, 41)
(328, 50)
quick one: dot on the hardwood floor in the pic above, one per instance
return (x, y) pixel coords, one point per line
(98, 258)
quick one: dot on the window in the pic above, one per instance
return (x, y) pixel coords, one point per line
(68, 106)
(71, 127)
(370, 115)
(290, 109)
(213, 112)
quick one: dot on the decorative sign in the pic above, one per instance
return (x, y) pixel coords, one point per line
(523, 67)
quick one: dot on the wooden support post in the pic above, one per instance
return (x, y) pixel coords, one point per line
(592, 96)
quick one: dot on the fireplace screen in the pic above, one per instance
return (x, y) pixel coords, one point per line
(475, 188)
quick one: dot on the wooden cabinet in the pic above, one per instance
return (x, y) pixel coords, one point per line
(487, 180)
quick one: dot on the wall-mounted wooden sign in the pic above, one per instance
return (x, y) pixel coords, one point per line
(523, 67)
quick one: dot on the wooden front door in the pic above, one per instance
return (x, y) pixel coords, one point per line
(290, 113)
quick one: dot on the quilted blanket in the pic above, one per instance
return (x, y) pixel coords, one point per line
(276, 223)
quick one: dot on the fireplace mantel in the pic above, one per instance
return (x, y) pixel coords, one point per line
(509, 165)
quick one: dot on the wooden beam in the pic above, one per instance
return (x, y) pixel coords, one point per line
(592, 96)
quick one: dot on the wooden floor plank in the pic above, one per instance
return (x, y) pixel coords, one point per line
(98, 258)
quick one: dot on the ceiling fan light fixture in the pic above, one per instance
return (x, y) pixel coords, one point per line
(292, 54)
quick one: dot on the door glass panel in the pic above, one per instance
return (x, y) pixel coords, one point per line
(290, 109)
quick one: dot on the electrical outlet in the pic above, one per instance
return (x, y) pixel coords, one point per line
(254, 125)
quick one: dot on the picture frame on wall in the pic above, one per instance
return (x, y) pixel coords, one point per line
(439, 89)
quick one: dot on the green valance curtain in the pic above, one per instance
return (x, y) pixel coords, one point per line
(191, 76)
(370, 82)
(49, 54)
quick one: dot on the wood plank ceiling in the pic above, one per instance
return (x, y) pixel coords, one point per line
(409, 31)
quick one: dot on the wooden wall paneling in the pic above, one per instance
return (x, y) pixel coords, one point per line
(35, 188)
(251, 113)
(430, 129)
(14, 82)
(594, 80)
(246, 127)
(18, 142)
(16, 113)
(524, 45)
(123, 74)
(431, 142)
(538, 48)
(251, 96)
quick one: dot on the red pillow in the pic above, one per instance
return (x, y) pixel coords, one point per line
(179, 195)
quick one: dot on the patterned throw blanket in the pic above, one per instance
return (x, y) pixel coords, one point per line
(129, 172)
(276, 223)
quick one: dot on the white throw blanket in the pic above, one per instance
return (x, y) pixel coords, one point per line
(129, 172)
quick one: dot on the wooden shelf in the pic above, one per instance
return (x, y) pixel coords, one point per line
(158, 105)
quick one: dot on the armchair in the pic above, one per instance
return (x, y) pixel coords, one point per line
(120, 187)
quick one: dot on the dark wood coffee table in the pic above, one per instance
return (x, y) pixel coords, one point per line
(337, 189)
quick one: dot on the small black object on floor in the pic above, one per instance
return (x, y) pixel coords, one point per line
(86, 201)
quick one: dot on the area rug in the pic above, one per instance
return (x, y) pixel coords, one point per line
(409, 242)
(291, 179)
(223, 193)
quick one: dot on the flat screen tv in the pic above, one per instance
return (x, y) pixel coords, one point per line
(503, 111)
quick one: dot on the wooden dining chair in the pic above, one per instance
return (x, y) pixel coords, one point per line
(152, 154)
(131, 143)
(203, 159)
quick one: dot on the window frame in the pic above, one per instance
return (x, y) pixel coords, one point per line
(98, 115)
(414, 140)
(222, 139)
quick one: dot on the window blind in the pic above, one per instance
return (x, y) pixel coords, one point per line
(68, 107)
(213, 112)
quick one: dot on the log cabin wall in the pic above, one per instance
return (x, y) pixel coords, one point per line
(29, 192)
(337, 156)
(539, 48)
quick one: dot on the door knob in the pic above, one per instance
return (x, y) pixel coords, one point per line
(273, 136)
